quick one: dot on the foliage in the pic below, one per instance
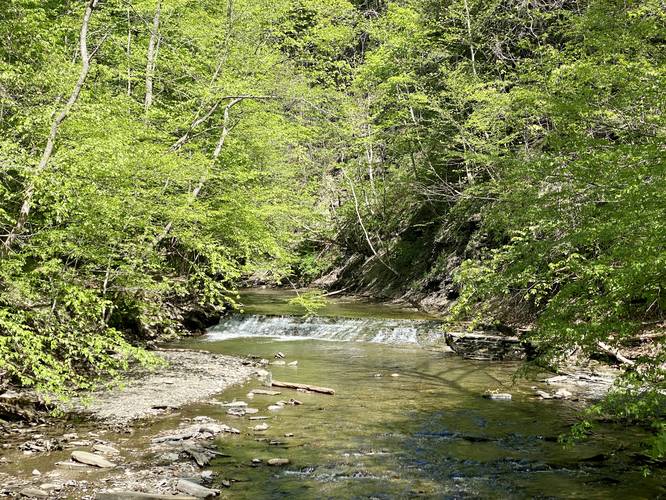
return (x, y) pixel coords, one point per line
(519, 146)
(310, 300)
(119, 247)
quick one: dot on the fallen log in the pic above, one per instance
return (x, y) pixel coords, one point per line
(312, 388)
(615, 353)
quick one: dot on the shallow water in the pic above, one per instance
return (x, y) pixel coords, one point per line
(426, 432)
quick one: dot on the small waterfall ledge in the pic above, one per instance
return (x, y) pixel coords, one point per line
(375, 330)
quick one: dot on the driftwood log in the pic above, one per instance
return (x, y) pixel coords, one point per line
(312, 388)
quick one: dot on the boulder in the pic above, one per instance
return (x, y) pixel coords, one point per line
(91, 459)
(196, 490)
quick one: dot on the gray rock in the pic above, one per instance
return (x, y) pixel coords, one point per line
(136, 495)
(33, 493)
(91, 459)
(278, 461)
(196, 490)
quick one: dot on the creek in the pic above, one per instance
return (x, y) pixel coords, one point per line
(408, 419)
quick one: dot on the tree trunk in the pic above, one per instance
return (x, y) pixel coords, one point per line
(55, 125)
(472, 50)
(129, 53)
(153, 47)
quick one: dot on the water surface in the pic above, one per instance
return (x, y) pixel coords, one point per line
(407, 422)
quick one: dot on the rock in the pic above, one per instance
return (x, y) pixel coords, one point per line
(563, 394)
(260, 427)
(394, 375)
(102, 448)
(251, 411)
(279, 363)
(295, 402)
(200, 455)
(50, 486)
(69, 464)
(266, 392)
(91, 459)
(486, 345)
(236, 412)
(195, 489)
(377, 375)
(136, 495)
(498, 396)
(556, 379)
(226, 483)
(278, 461)
(190, 433)
(235, 404)
(279, 355)
(544, 395)
(256, 460)
(33, 493)
(265, 377)
(275, 407)
(293, 363)
(207, 475)
(36, 473)
(289, 434)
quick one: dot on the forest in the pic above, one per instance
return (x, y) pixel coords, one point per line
(502, 162)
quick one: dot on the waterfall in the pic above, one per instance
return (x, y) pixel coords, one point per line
(385, 331)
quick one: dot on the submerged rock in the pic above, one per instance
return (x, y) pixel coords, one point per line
(278, 461)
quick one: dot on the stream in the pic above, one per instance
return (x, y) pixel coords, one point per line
(425, 432)
(408, 419)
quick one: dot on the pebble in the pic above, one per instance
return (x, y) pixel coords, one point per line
(395, 374)
(36, 473)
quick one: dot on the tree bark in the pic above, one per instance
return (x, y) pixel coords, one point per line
(29, 194)
(472, 50)
(153, 48)
(129, 53)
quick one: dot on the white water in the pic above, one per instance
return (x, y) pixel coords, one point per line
(384, 331)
